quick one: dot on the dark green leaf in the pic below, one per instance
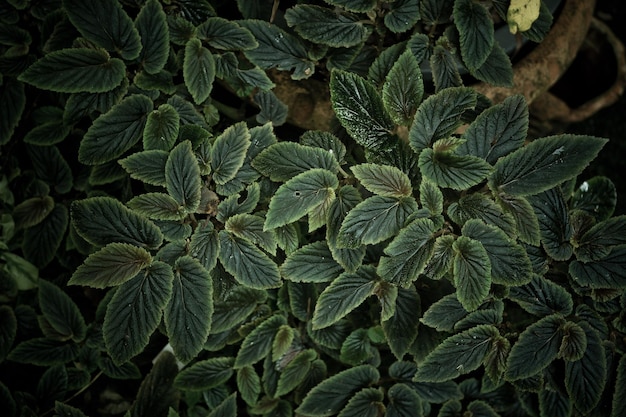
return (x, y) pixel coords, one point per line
(126, 370)
(156, 393)
(445, 66)
(205, 374)
(598, 197)
(174, 231)
(248, 264)
(360, 110)
(189, 312)
(224, 34)
(159, 206)
(374, 219)
(258, 343)
(526, 221)
(248, 384)
(497, 69)
(65, 410)
(52, 385)
(354, 5)
(146, 166)
(402, 15)
(403, 402)
(382, 65)
(544, 163)
(542, 297)
(272, 109)
(116, 131)
(161, 81)
(439, 115)
(106, 24)
(182, 176)
(232, 206)
(387, 296)
(32, 211)
(326, 26)
(227, 408)
(472, 272)
(278, 49)
(300, 195)
(135, 311)
(81, 105)
(479, 206)
(554, 403)
(347, 198)
(574, 342)
(8, 330)
(343, 295)
(401, 328)
(284, 160)
(61, 312)
(383, 180)
(295, 372)
(311, 263)
(42, 241)
(331, 395)
(12, 102)
(457, 355)
(408, 253)
(42, 351)
(608, 272)
(151, 24)
(327, 141)
(204, 245)
(229, 152)
(357, 348)
(403, 89)
(198, 70)
(536, 348)
(102, 220)
(476, 32)
(162, 126)
(48, 133)
(365, 403)
(235, 307)
(250, 227)
(554, 223)
(106, 173)
(596, 242)
(76, 70)
(444, 313)
(619, 396)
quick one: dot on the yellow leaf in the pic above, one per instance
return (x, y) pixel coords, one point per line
(522, 14)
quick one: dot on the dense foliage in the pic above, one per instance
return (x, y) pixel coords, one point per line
(170, 247)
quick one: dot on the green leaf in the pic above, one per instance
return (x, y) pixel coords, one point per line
(205, 374)
(42, 241)
(76, 70)
(536, 348)
(151, 24)
(354, 5)
(360, 110)
(48, 133)
(61, 312)
(278, 49)
(476, 32)
(439, 115)
(408, 253)
(146, 166)
(103, 220)
(158, 206)
(608, 272)
(182, 176)
(62, 409)
(479, 206)
(162, 126)
(258, 343)
(382, 65)
(526, 221)
(497, 69)
(81, 105)
(248, 384)
(574, 342)
(357, 348)
(543, 164)
(444, 313)
(325, 26)
(106, 173)
(510, 264)
(554, 403)
(224, 34)
(597, 196)
(444, 67)
(325, 140)
(248, 264)
(156, 393)
(272, 109)
(383, 180)
(295, 372)
(311, 263)
(403, 402)
(299, 196)
(12, 103)
(586, 378)
(135, 311)
(250, 227)
(105, 24)
(284, 160)
(367, 402)
(112, 265)
(542, 297)
(204, 244)
(472, 272)
(343, 295)
(235, 307)
(457, 355)
(347, 198)
(198, 70)
(21, 272)
(403, 89)
(32, 211)
(596, 242)
(8, 330)
(498, 131)
(402, 16)
(619, 405)
(374, 219)
(189, 312)
(401, 328)
(42, 351)
(229, 152)
(554, 223)
(116, 131)
(227, 408)
(331, 395)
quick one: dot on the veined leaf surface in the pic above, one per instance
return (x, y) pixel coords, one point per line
(383, 180)
(198, 70)
(476, 32)
(403, 89)
(472, 272)
(182, 176)
(151, 24)
(284, 160)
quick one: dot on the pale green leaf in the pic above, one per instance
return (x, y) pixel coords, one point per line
(43, 240)
(188, 314)
(102, 220)
(327, 26)
(248, 264)
(544, 163)
(112, 265)
(476, 32)
(182, 176)
(343, 295)
(300, 195)
(542, 297)
(205, 374)
(146, 166)
(116, 131)
(383, 180)
(229, 152)
(284, 160)
(162, 127)
(457, 355)
(536, 348)
(151, 24)
(472, 272)
(401, 328)
(311, 263)
(258, 343)
(61, 312)
(360, 110)
(135, 311)
(224, 34)
(198, 70)
(374, 219)
(403, 89)
(158, 206)
(75, 70)
(106, 24)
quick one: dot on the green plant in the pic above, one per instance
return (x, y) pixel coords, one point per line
(163, 250)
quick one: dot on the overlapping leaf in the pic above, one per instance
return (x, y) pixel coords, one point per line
(401, 328)
(158, 206)
(311, 263)
(542, 297)
(608, 272)
(12, 103)
(229, 152)
(205, 374)
(151, 24)
(162, 127)
(476, 32)
(403, 89)
(198, 70)
(284, 160)
(383, 180)
(146, 166)
(554, 223)
(42, 241)
(472, 272)
(258, 343)
(224, 34)
(403, 14)
(61, 312)
(347, 198)
(182, 176)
